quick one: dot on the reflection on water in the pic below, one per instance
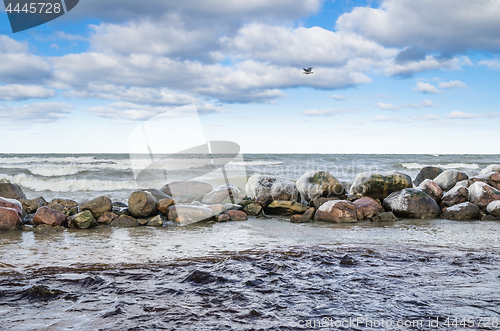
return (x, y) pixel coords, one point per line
(260, 274)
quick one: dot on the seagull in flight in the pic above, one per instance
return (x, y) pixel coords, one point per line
(308, 71)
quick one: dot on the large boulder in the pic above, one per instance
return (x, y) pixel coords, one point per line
(9, 219)
(447, 179)
(492, 179)
(432, 189)
(318, 184)
(493, 208)
(367, 207)
(11, 191)
(227, 193)
(279, 189)
(462, 212)
(379, 186)
(455, 196)
(412, 203)
(82, 220)
(318, 202)
(185, 214)
(97, 206)
(429, 172)
(142, 204)
(337, 211)
(483, 194)
(188, 191)
(45, 215)
(491, 168)
(13, 204)
(31, 206)
(286, 208)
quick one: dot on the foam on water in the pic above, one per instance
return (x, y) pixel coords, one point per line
(67, 185)
(418, 166)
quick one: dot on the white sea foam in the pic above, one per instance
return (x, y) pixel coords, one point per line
(491, 168)
(414, 165)
(67, 185)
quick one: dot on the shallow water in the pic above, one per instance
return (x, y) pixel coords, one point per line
(262, 274)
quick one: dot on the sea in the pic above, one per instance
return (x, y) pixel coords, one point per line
(260, 274)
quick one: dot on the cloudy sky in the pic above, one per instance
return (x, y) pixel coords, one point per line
(407, 76)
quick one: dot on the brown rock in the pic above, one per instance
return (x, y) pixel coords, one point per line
(465, 211)
(337, 211)
(483, 194)
(164, 204)
(317, 202)
(432, 189)
(286, 208)
(9, 219)
(97, 206)
(385, 217)
(222, 218)
(304, 218)
(107, 217)
(11, 191)
(13, 204)
(412, 203)
(45, 215)
(66, 203)
(455, 196)
(367, 208)
(142, 205)
(264, 200)
(236, 215)
(492, 179)
(187, 214)
(48, 229)
(31, 206)
(253, 209)
(124, 221)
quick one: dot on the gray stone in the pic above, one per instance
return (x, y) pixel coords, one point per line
(412, 203)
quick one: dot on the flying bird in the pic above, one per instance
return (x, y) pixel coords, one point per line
(308, 71)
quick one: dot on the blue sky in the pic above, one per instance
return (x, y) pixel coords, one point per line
(404, 76)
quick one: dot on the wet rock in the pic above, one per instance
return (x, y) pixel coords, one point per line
(492, 179)
(489, 218)
(11, 191)
(224, 194)
(337, 211)
(66, 203)
(48, 229)
(447, 179)
(97, 206)
(379, 186)
(432, 189)
(143, 221)
(367, 208)
(455, 196)
(164, 204)
(304, 218)
(429, 172)
(354, 197)
(491, 168)
(52, 217)
(493, 208)
(13, 204)
(82, 220)
(412, 203)
(253, 209)
(28, 228)
(107, 217)
(385, 217)
(316, 184)
(185, 214)
(317, 202)
(55, 206)
(347, 260)
(186, 192)
(483, 194)
(31, 206)
(142, 205)
(462, 212)
(280, 189)
(286, 208)
(155, 221)
(124, 221)
(264, 200)
(9, 219)
(236, 215)
(222, 218)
